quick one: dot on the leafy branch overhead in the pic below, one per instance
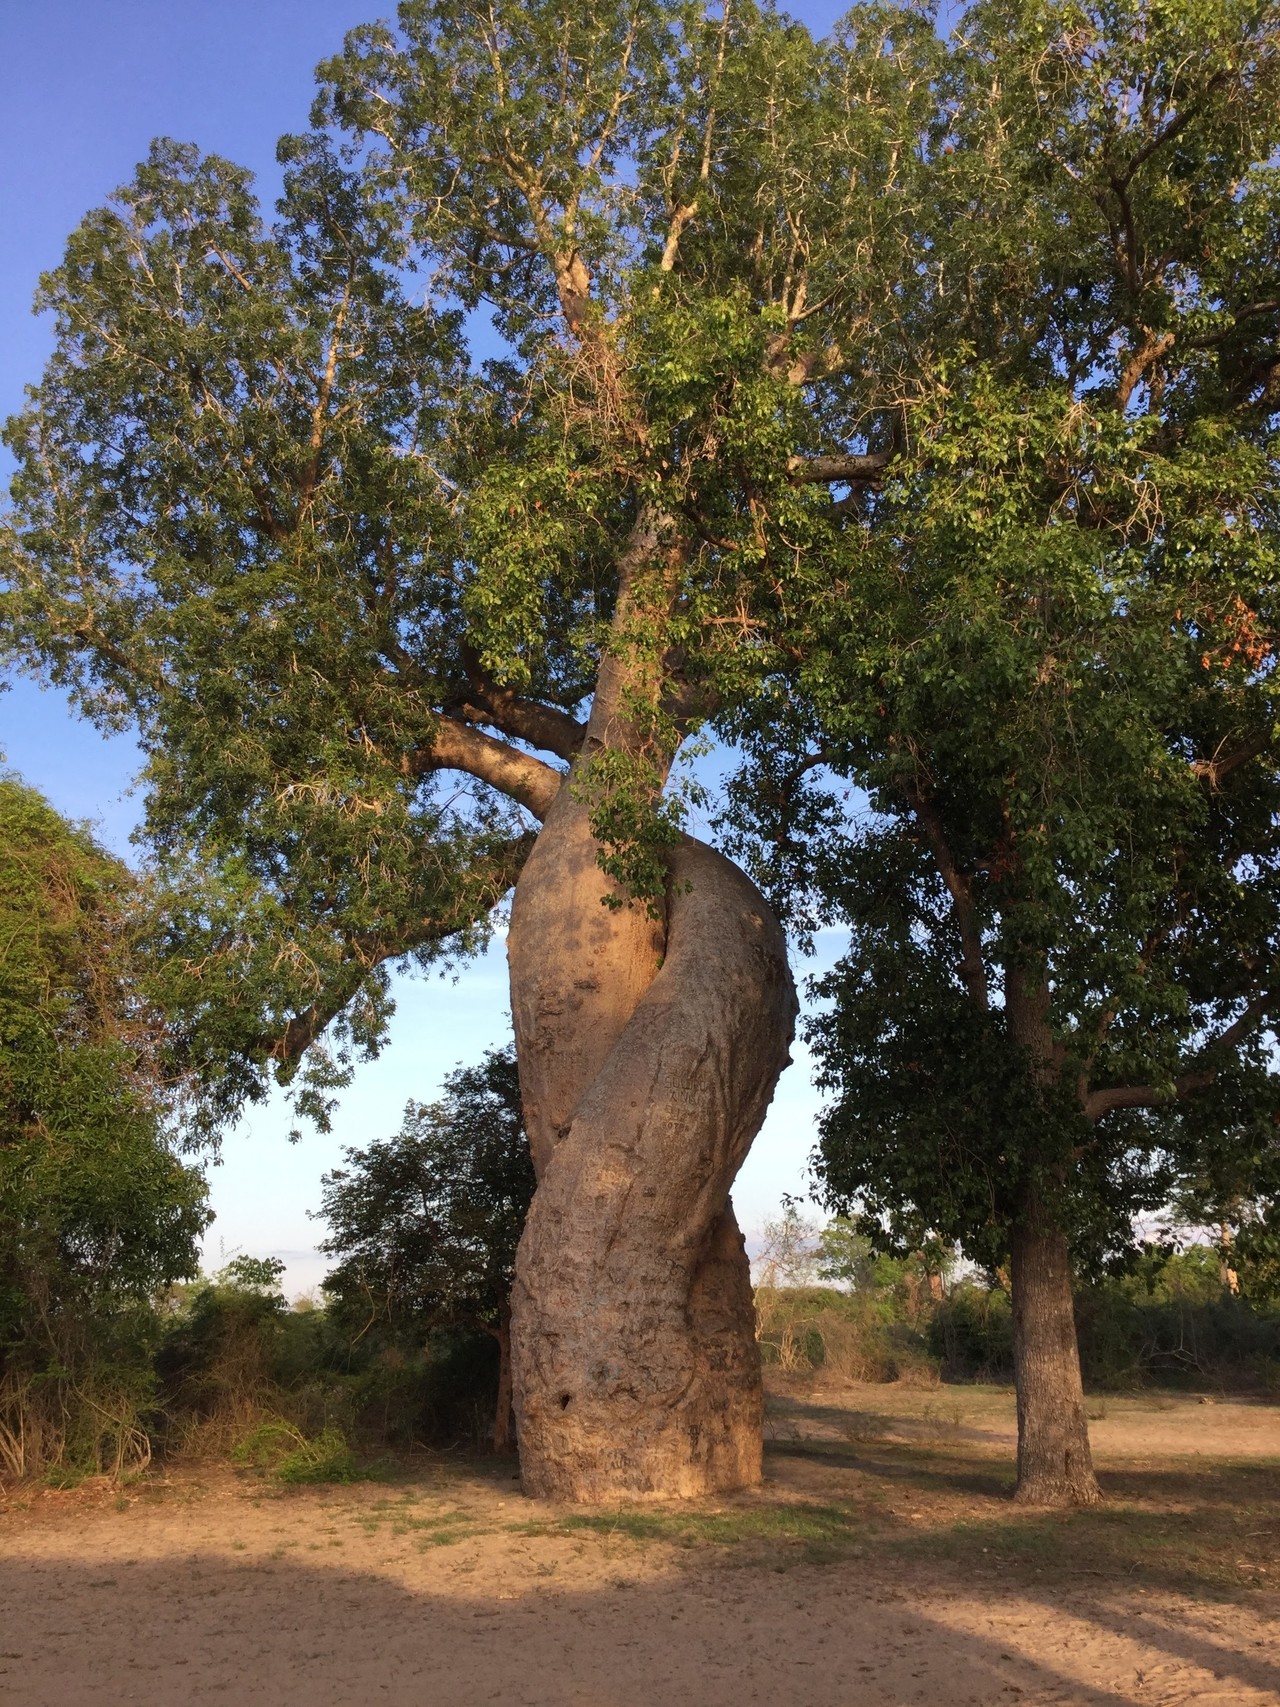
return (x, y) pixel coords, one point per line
(356, 583)
(1051, 666)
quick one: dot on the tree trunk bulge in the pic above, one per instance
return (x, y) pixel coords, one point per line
(648, 1056)
(1055, 1465)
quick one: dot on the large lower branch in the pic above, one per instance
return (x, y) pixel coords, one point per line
(1108, 1097)
(365, 952)
(459, 747)
(544, 726)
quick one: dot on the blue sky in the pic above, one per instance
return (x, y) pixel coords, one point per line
(84, 87)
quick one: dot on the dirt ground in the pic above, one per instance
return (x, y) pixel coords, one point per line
(880, 1565)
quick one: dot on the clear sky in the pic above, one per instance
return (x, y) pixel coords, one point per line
(84, 87)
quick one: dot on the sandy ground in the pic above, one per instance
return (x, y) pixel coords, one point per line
(880, 1565)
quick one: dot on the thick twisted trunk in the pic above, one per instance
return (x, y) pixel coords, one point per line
(649, 1050)
(645, 1080)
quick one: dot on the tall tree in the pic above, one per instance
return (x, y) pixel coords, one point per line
(1049, 657)
(426, 1224)
(400, 628)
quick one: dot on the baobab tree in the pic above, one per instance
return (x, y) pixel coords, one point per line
(400, 628)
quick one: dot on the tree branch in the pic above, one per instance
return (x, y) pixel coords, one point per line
(681, 215)
(1138, 364)
(529, 720)
(1221, 765)
(1100, 1102)
(1246, 311)
(369, 950)
(816, 470)
(973, 967)
(459, 747)
(1177, 123)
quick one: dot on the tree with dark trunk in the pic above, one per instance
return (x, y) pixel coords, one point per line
(400, 628)
(426, 1224)
(1050, 661)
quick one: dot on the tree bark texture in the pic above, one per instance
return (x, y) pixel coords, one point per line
(648, 1057)
(1055, 1465)
(503, 1431)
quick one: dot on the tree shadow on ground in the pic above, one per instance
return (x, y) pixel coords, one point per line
(261, 1629)
(869, 1569)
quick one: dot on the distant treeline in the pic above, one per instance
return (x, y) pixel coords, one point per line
(1174, 1320)
(226, 1369)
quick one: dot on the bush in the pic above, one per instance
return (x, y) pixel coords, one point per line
(235, 1361)
(849, 1336)
(96, 1210)
(1172, 1321)
(971, 1334)
(218, 1363)
(281, 1449)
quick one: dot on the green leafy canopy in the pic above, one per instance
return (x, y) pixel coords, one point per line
(347, 578)
(1048, 653)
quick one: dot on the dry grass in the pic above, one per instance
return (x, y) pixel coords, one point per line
(46, 1423)
(807, 1329)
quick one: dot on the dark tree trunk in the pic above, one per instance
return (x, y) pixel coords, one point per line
(503, 1420)
(1055, 1465)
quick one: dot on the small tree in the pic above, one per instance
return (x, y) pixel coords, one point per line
(96, 1210)
(790, 1249)
(426, 1223)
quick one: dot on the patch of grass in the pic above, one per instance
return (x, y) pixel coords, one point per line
(64, 1476)
(827, 1529)
(282, 1450)
(447, 1537)
(431, 1529)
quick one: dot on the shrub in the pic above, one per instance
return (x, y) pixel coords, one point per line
(1172, 1320)
(426, 1224)
(971, 1334)
(281, 1449)
(849, 1336)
